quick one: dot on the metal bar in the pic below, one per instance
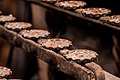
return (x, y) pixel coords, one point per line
(52, 7)
(109, 76)
(98, 71)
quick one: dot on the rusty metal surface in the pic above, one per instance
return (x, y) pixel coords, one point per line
(91, 71)
(98, 71)
(76, 71)
(109, 76)
(52, 7)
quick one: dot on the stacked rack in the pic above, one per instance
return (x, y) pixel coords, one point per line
(53, 53)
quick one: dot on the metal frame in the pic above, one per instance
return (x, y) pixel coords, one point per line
(53, 7)
(90, 71)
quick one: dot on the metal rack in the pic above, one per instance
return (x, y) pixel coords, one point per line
(115, 29)
(54, 59)
(52, 7)
(92, 70)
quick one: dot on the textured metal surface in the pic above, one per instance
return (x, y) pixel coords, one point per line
(109, 76)
(100, 74)
(76, 71)
(98, 71)
(52, 7)
(91, 71)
